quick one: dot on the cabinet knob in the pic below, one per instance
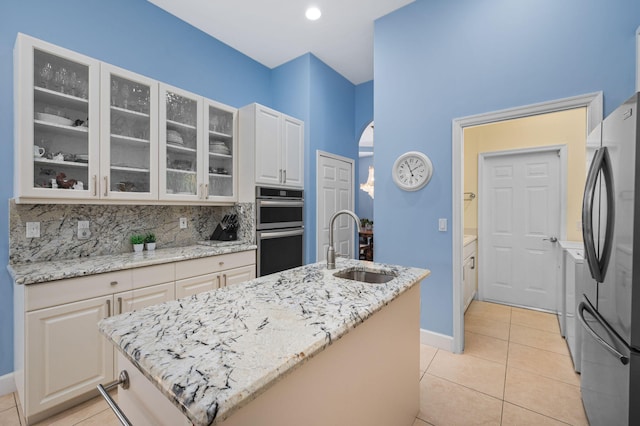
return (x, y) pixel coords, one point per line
(113, 283)
(220, 263)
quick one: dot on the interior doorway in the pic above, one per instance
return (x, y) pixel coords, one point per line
(334, 192)
(521, 209)
(594, 110)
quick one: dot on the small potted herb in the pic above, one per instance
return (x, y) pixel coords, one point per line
(138, 242)
(150, 241)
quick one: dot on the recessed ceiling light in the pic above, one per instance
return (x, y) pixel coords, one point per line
(313, 13)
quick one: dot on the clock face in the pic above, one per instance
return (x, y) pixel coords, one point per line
(412, 171)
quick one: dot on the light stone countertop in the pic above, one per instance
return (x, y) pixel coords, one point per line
(213, 352)
(39, 272)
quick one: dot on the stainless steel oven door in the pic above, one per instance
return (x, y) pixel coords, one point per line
(276, 214)
(279, 250)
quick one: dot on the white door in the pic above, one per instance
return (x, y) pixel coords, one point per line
(520, 216)
(334, 192)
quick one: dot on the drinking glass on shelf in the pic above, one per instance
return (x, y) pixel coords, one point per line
(115, 93)
(46, 74)
(73, 83)
(125, 93)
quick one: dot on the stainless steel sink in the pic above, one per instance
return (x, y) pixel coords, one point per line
(365, 276)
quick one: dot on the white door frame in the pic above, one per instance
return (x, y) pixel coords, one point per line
(594, 104)
(482, 247)
(318, 198)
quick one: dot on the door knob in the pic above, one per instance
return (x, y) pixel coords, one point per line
(552, 239)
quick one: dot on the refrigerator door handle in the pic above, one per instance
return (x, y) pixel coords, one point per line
(581, 308)
(587, 215)
(607, 170)
(598, 266)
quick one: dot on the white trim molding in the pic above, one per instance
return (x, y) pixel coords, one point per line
(7, 384)
(594, 104)
(437, 340)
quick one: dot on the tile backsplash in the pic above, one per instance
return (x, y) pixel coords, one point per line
(111, 226)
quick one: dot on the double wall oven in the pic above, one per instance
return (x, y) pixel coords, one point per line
(279, 229)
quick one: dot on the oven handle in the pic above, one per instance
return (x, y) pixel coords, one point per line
(280, 234)
(280, 203)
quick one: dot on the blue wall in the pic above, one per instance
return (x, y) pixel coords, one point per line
(437, 60)
(312, 91)
(132, 34)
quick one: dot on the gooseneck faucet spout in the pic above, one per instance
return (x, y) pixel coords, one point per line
(331, 251)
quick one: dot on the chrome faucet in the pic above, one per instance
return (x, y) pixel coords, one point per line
(331, 252)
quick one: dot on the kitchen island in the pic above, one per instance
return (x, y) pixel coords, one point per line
(300, 346)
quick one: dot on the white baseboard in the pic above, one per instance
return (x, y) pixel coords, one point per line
(7, 384)
(440, 341)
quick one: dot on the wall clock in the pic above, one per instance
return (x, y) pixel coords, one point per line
(412, 171)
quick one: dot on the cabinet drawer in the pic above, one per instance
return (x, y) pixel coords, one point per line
(54, 293)
(208, 265)
(151, 275)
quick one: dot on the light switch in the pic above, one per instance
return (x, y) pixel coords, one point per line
(442, 224)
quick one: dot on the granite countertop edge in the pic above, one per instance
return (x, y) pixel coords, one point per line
(41, 272)
(287, 362)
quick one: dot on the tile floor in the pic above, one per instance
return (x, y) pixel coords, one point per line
(515, 370)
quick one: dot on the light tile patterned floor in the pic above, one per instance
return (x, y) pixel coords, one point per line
(515, 370)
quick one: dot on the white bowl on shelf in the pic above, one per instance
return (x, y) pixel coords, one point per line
(55, 119)
(174, 137)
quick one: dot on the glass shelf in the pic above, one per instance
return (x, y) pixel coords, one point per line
(60, 163)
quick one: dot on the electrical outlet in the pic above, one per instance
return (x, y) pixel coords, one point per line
(442, 225)
(83, 230)
(33, 229)
(183, 223)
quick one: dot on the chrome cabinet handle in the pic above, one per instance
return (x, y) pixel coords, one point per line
(108, 308)
(224, 279)
(106, 186)
(280, 178)
(473, 264)
(284, 174)
(123, 381)
(206, 191)
(95, 185)
(119, 305)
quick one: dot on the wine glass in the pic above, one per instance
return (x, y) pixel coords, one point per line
(125, 92)
(114, 92)
(46, 74)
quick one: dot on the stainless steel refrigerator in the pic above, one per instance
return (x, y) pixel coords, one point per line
(610, 306)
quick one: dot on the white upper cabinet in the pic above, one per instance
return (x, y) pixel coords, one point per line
(272, 146)
(87, 131)
(220, 152)
(181, 141)
(56, 122)
(129, 136)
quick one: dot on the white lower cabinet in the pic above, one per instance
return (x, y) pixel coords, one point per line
(469, 277)
(60, 356)
(65, 354)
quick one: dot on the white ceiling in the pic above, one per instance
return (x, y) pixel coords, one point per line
(274, 32)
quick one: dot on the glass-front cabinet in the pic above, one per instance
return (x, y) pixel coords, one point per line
(220, 176)
(57, 138)
(89, 131)
(180, 144)
(129, 135)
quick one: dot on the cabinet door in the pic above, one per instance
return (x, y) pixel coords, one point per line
(181, 145)
(195, 285)
(66, 355)
(129, 130)
(57, 116)
(220, 147)
(238, 275)
(142, 297)
(293, 152)
(267, 146)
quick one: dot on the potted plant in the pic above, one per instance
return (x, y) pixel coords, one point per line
(138, 242)
(150, 241)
